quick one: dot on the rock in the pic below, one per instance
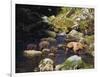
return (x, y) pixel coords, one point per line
(46, 50)
(32, 53)
(43, 44)
(75, 34)
(71, 63)
(74, 58)
(78, 62)
(53, 49)
(58, 67)
(52, 56)
(45, 53)
(52, 41)
(46, 65)
(62, 34)
(45, 19)
(51, 33)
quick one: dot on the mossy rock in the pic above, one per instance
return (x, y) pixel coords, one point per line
(72, 64)
(68, 65)
(51, 33)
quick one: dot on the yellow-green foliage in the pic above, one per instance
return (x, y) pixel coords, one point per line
(66, 19)
(84, 24)
(62, 23)
(89, 39)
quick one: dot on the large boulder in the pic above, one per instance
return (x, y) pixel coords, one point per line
(32, 59)
(71, 63)
(32, 53)
(76, 62)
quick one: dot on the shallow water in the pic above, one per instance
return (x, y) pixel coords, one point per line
(26, 65)
(22, 61)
